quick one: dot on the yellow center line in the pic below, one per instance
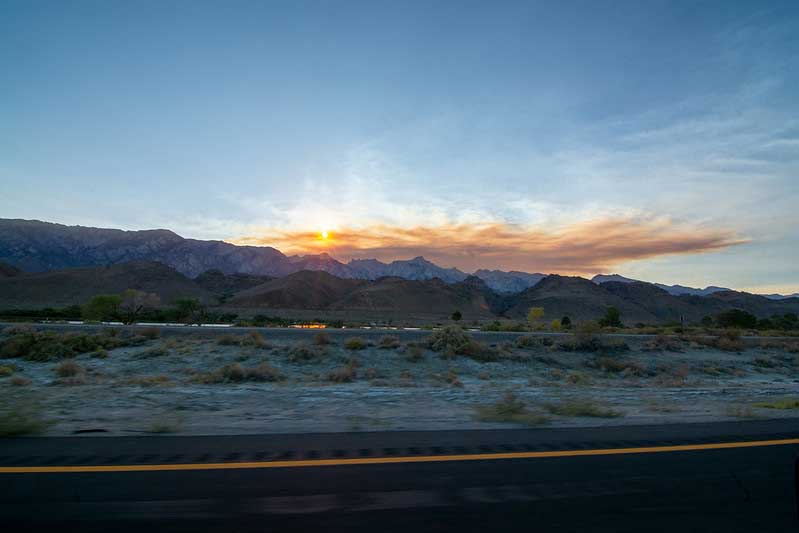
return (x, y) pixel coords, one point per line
(390, 460)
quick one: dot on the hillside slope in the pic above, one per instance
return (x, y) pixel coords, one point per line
(78, 285)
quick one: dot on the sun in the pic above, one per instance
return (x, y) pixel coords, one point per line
(324, 234)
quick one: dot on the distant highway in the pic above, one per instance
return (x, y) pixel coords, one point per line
(689, 477)
(372, 333)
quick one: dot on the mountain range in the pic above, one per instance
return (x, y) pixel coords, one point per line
(389, 296)
(34, 246)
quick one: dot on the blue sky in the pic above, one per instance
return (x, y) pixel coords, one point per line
(676, 123)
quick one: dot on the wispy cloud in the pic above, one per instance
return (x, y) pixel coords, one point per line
(580, 248)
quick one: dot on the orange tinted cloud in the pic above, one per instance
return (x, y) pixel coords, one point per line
(581, 248)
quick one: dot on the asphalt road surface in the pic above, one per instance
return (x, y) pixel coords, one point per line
(692, 477)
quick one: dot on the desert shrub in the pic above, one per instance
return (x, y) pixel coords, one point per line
(102, 353)
(414, 353)
(303, 352)
(7, 370)
(68, 369)
(664, 343)
(764, 362)
(150, 381)
(510, 409)
(355, 343)
(20, 421)
(48, 345)
(740, 411)
(228, 340)
(343, 374)
(157, 351)
(150, 333)
(371, 373)
(256, 340)
(586, 338)
(388, 342)
(20, 381)
(580, 408)
(322, 338)
(616, 366)
(235, 373)
(452, 378)
(448, 338)
(786, 403)
(527, 341)
(479, 351)
(577, 378)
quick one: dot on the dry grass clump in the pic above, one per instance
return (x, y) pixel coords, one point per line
(576, 408)
(388, 342)
(664, 343)
(165, 425)
(762, 361)
(150, 333)
(414, 353)
(7, 370)
(68, 369)
(785, 403)
(20, 381)
(510, 409)
(577, 378)
(479, 351)
(302, 352)
(740, 411)
(452, 378)
(252, 339)
(20, 420)
(728, 341)
(235, 373)
(611, 365)
(322, 338)
(527, 341)
(587, 338)
(156, 351)
(100, 354)
(355, 343)
(49, 345)
(344, 374)
(151, 381)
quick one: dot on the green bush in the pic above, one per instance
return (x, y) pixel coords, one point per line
(388, 342)
(48, 345)
(448, 338)
(355, 343)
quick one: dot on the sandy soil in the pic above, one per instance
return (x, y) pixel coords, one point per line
(155, 387)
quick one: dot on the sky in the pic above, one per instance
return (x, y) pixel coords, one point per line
(659, 140)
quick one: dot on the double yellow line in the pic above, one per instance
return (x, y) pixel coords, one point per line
(389, 460)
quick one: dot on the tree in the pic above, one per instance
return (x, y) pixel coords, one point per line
(737, 318)
(535, 314)
(566, 322)
(612, 319)
(555, 325)
(134, 303)
(190, 310)
(457, 315)
(102, 307)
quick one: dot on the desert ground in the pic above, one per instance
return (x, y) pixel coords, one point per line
(123, 381)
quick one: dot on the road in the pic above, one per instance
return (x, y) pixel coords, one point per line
(405, 335)
(689, 477)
